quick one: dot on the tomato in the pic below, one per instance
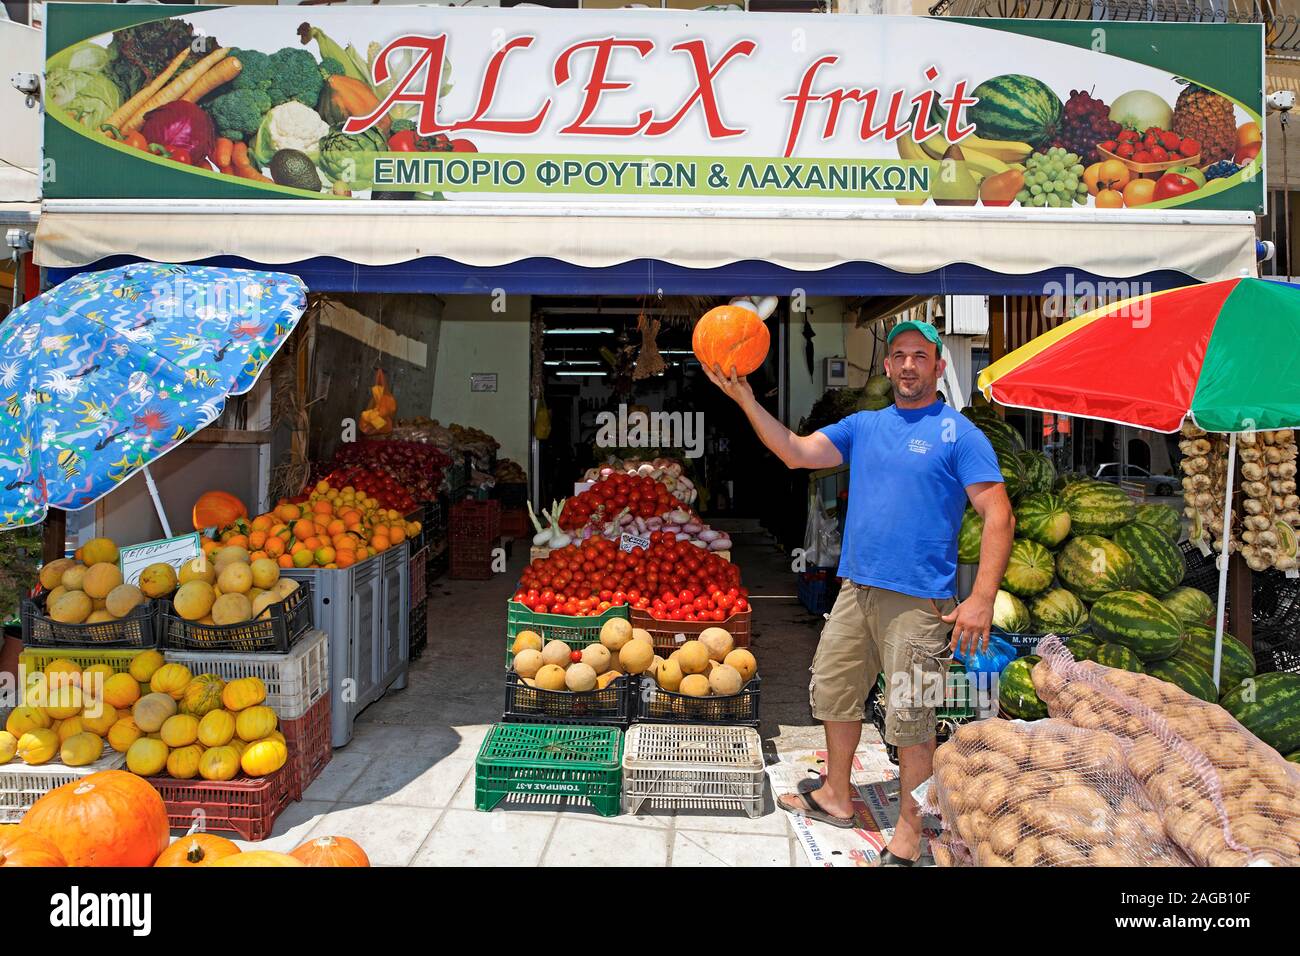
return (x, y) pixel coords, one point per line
(542, 608)
(742, 604)
(718, 615)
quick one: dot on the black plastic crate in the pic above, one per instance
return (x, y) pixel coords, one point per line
(654, 705)
(137, 629)
(418, 637)
(436, 514)
(1201, 572)
(511, 495)
(437, 564)
(610, 706)
(290, 619)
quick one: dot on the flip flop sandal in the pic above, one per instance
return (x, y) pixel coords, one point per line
(813, 811)
(888, 858)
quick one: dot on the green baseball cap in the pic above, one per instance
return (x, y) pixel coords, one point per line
(925, 328)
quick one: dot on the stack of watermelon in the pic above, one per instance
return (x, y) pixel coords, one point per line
(1104, 573)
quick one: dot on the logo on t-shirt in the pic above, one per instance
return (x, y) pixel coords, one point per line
(918, 446)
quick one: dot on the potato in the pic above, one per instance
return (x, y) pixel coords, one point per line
(1226, 857)
(966, 828)
(1204, 842)
(1056, 851)
(1084, 716)
(1043, 819)
(1027, 852)
(949, 778)
(994, 762)
(1088, 803)
(1096, 753)
(993, 794)
(986, 855)
(1005, 834)
(1236, 782)
(942, 855)
(1145, 761)
(1110, 856)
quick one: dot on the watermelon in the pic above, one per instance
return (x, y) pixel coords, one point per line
(1165, 518)
(1065, 479)
(873, 403)
(1041, 517)
(1158, 565)
(1016, 690)
(1015, 107)
(1081, 648)
(1010, 613)
(1237, 662)
(1192, 606)
(1013, 474)
(1003, 437)
(1119, 656)
(1138, 621)
(1058, 611)
(1029, 568)
(1269, 708)
(1097, 507)
(1189, 676)
(1092, 566)
(968, 538)
(1039, 472)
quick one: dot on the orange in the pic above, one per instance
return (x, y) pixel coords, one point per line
(345, 559)
(287, 512)
(210, 546)
(302, 559)
(263, 522)
(1139, 192)
(297, 546)
(335, 527)
(322, 507)
(322, 486)
(325, 555)
(379, 542)
(1113, 175)
(303, 529)
(312, 543)
(257, 556)
(284, 561)
(397, 533)
(344, 542)
(280, 529)
(256, 540)
(274, 547)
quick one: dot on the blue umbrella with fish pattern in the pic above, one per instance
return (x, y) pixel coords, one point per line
(109, 371)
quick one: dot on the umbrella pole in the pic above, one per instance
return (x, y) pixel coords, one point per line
(167, 529)
(1224, 557)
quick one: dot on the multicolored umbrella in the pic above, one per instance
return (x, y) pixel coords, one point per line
(109, 371)
(1224, 353)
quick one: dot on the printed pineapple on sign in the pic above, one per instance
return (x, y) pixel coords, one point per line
(1207, 118)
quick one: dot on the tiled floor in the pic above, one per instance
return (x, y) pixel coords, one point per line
(403, 787)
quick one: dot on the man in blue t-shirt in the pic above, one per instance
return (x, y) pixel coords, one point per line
(912, 467)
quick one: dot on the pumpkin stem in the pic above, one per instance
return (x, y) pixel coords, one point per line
(195, 853)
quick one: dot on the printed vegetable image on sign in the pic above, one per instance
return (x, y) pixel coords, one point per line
(444, 104)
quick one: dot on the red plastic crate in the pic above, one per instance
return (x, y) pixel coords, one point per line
(476, 520)
(514, 523)
(308, 739)
(247, 806)
(472, 560)
(666, 633)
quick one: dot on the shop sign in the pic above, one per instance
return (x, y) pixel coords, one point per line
(650, 106)
(631, 542)
(134, 558)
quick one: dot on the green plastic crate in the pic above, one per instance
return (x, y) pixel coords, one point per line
(958, 703)
(577, 632)
(542, 763)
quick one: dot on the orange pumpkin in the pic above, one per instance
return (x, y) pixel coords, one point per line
(217, 509)
(197, 849)
(330, 851)
(20, 847)
(730, 336)
(110, 818)
(258, 858)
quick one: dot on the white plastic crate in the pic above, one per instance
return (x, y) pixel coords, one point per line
(21, 785)
(693, 767)
(294, 681)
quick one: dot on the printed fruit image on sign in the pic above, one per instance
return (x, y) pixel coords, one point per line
(438, 103)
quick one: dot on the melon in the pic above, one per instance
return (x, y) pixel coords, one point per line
(636, 657)
(233, 554)
(152, 710)
(147, 757)
(284, 587)
(969, 537)
(52, 598)
(607, 678)
(641, 634)
(725, 680)
(197, 569)
(121, 690)
(235, 578)
(1010, 614)
(695, 685)
(528, 662)
(100, 579)
(718, 641)
(144, 664)
(262, 602)
(157, 580)
(232, 608)
(8, 746)
(72, 608)
(692, 657)
(525, 641)
(52, 574)
(550, 677)
(74, 577)
(743, 662)
(99, 551)
(123, 599)
(597, 657)
(557, 653)
(1030, 568)
(265, 572)
(37, 746)
(1015, 107)
(194, 600)
(580, 677)
(616, 632)
(180, 730)
(81, 749)
(100, 617)
(669, 675)
(1042, 517)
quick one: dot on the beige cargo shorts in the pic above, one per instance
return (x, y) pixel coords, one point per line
(874, 631)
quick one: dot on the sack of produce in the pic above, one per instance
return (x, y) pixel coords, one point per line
(1043, 794)
(1226, 797)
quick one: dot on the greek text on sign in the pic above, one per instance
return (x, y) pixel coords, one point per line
(630, 541)
(134, 558)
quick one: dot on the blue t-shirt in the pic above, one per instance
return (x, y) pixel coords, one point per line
(908, 473)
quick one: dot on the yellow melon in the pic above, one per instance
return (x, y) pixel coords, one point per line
(219, 763)
(72, 608)
(197, 569)
(74, 577)
(254, 723)
(725, 680)
(64, 702)
(263, 757)
(557, 653)
(718, 641)
(580, 677)
(123, 599)
(743, 661)
(121, 690)
(8, 746)
(528, 662)
(157, 580)
(693, 657)
(99, 551)
(100, 579)
(285, 586)
(641, 634)
(100, 617)
(262, 602)
(151, 710)
(38, 746)
(67, 728)
(216, 728)
(265, 573)
(232, 608)
(171, 679)
(194, 600)
(147, 757)
(695, 685)
(615, 632)
(179, 730)
(123, 734)
(235, 578)
(597, 657)
(26, 718)
(52, 598)
(62, 672)
(144, 664)
(230, 555)
(669, 675)
(550, 677)
(183, 763)
(52, 574)
(654, 665)
(635, 657)
(99, 719)
(526, 640)
(81, 749)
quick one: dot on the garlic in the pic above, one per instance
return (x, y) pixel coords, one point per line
(1272, 455)
(1253, 506)
(1286, 563)
(1292, 518)
(1250, 454)
(1287, 469)
(1284, 436)
(1249, 536)
(1201, 482)
(1247, 438)
(1252, 471)
(1291, 503)
(1191, 430)
(1267, 539)
(1258, 522)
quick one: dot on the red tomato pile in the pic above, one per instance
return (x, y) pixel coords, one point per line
(643, 496)
(384, 488)
(673, 580)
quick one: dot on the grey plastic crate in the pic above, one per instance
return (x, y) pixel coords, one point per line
(364, 611)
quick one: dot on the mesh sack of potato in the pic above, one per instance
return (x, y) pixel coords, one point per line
(1044, 793)
(948, 850)
(1226, 797)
